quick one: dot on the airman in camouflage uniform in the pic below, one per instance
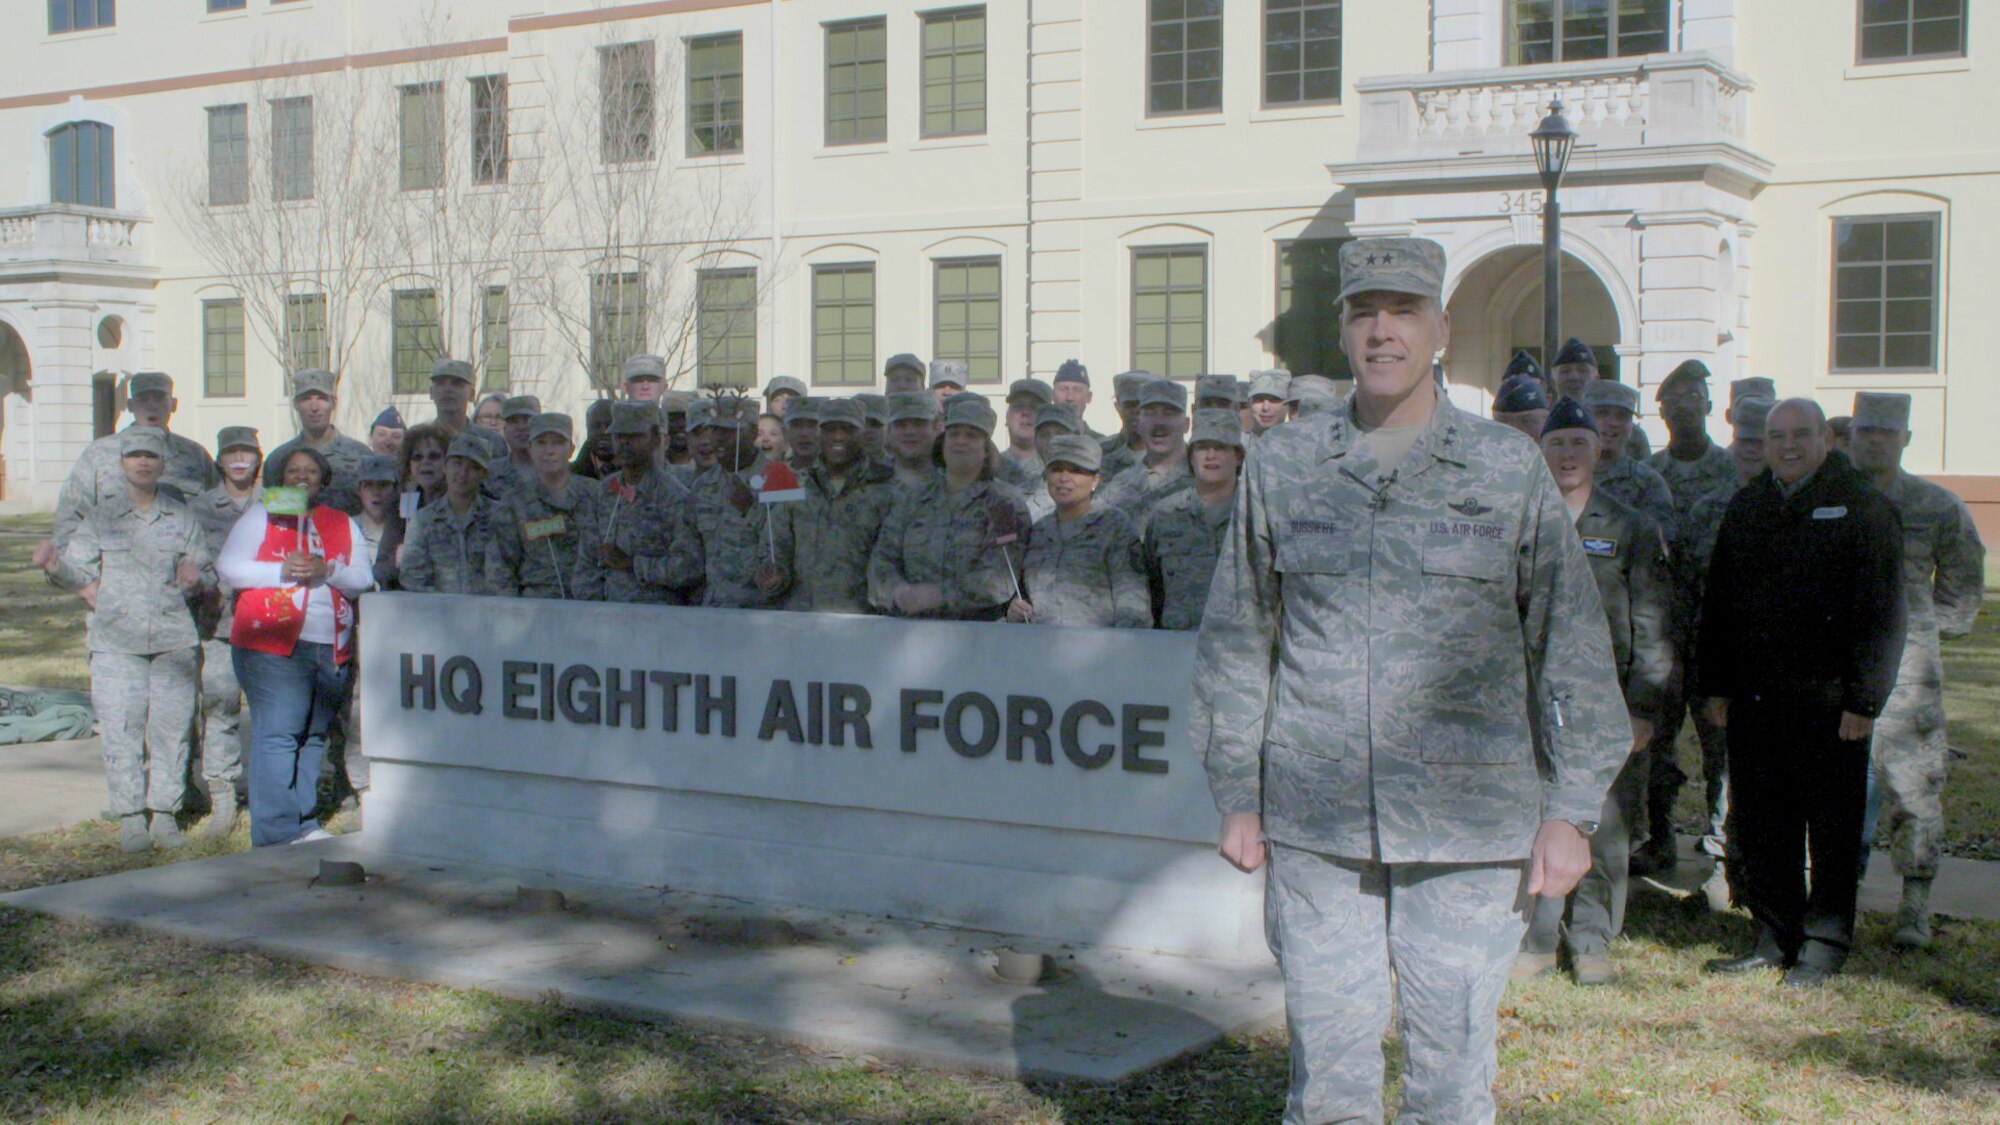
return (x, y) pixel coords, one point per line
(802, 432)
(912, 430)
(948, 378)
(97, 475)
(1020, 464)
(1122, 449)
(1082, 563)
(314, 401)
(742, 540)
(1052, 421)
(1163, 471)
(542, 524)
(951, 547)
(638, 542)
(1383, 620)
(1184, 535)
(1944, 577)
(833, 530)
(1313, 394)
(240, 462)
(1270, 400)
(135, 559)
(453, 547)
(1626, 480)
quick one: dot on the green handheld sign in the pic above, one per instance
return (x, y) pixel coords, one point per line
(286, 501)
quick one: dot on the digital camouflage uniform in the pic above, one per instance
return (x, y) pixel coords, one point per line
(1365, 672)
(936, 536)
(540, 536)
(221, 696)
(1183, 539)
(1689, 481)
(144, 649)
(1140, 488)
(1118, 456)
(736, 543)
(97, 477)
(653, 520)
(1024, 473)
(445, 552)
(343, 453)
(1086, 573)
(833, 532)
(1693, 546)
(1636, 486)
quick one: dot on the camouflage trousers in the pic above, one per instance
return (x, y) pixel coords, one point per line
(221, 717)
(1665, 777)
(1908, 760)
(1596, 907)
(145, 710)
(1447, 932)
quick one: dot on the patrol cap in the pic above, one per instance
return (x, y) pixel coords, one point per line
(496, 446)
(874, 407)
(1073, 372)
(1058, 414)
(1219, 426)
(1033, 389)
(906, 406)
(675, 402)
(1754, 387)
(805, 409)
(1569, 414)
(784, 385)
(376, 469)
(1690, 370)
(468, 446)
(1880, 410)
(1163, 392)
(1604, 392)
(1393, 265)
(1748, 416)
(520, 404)
(1316, 389)
(1217, 386)
(841, 411)
(634, 418)
(149, 382)
(1074, 450)
(1520, 393)
(1272, 382)
(135, 440)
(947, 373)
(236, 437)
(599, 411)
(1125, 386)
(970, 410)
(558, 424)
(451, 369)
(388, 419)
(1574, 351)
(700, 412)
(313, 380)
(903, 359)
(1521, 364)
(645, 365)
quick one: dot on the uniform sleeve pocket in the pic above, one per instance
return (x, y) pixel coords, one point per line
(1489, 560)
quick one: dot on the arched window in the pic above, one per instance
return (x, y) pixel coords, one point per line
(80, 164)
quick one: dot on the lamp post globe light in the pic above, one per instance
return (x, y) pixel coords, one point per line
(1553, 139)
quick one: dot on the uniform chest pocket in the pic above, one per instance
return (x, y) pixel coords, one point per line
(1310, 546)
(1486, 558)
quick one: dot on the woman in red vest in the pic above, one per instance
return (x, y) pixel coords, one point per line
(295, 566)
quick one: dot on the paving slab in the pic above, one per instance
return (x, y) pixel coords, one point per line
(1965, 888)
(896, 990)
(49, 785)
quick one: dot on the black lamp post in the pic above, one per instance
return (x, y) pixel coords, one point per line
(1552, 139)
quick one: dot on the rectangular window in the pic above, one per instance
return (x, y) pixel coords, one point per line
(857, 82)
(617, 325)
(1307, 334)
(305, 332)
(413, 339)
(1301, 51)
(1184, 56)
(494, 340)
(715, 94)
(292, 148)
(1901, 30)
(726, 328)
(81, 15)
(1170, 310)
(844, 324)
(228, 154)
(225, 5)
(954, 71)
(421, 135)
(966, 315)
(1545, 31)
(222, 348)
(625, 90)
(489, 129)
(1885, 293)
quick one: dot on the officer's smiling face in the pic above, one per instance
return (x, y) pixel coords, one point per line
(839, 444)
(315, 410)
(1614, 428)
(239, 465)
(1571, 455)
(1267, 411)
(1213, 462)
(143, 469)
(1795, 442)
(1161, 427)
(1389, 339)
(549, 452)
(911, 437)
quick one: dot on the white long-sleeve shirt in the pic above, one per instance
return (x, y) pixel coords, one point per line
(241, 569)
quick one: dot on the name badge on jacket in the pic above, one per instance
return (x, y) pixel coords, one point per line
(1832, 513)
(1600, 547)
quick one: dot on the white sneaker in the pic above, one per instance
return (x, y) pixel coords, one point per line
(309, 837)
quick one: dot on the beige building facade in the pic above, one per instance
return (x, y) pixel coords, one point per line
(225, 189)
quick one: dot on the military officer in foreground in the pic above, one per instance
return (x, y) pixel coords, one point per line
(1400, 588)
(1944, 576)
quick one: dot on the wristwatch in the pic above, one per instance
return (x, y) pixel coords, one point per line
(1584, 828)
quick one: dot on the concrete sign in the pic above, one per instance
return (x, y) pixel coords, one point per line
(1022, 779)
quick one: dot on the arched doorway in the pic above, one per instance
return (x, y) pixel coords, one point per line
(15, 375)
(1497, 308)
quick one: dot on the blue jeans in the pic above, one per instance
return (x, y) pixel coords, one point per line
(291, 699)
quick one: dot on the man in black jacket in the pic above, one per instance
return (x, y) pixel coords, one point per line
(1802, 626)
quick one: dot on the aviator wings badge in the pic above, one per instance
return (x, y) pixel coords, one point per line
(1469, 507)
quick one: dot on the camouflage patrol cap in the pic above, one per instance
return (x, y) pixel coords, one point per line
(1074, 450)
(1392, 265)
(468, 446)
(135, 440)
(551, 423)
(1058, 414)
(451, 369)
(1217, 386)
(1754, 387)
(804, 410)
(1163, 392)
(1520, 394)
(874, 408)
(1604, 392)
(1033, 389)
(841, 412)
(599, 411)
(1272, 382)
(634, 418)
(645, 365)
(970, 410)
(700, 412)
(1316, 389)
(1125, 386)
(1568, 414)
(784, 385)
(1747, 417)
(947, 373)
(313, 380)
(1072, 372)
(519, 405)
(1689, 370)
(1879, 410)
(376, 469)
(1219, 426)
(903, 359)
(905, 406)
(1575, 351)
(236, 437)
(675, 402)
(149, 382)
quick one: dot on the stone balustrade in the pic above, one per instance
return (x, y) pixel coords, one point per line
(61, 233)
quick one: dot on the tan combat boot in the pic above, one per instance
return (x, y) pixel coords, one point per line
(1913, 922)
(221, 813)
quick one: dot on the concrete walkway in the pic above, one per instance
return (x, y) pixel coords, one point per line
(49, 785)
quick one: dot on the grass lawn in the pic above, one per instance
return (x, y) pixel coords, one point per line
(113, 1024)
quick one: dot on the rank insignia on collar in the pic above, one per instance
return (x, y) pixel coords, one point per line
(1469, 507)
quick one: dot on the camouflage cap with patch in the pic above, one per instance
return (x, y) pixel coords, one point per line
(1313, 389)
(700, 412)
(1163, 392)
(1747, 417)
(1392, 265)
(598, 412)
(520, 405)
(1125, 386)
(1756, 386)
(1272, 382)
(784, 385)
(468, 446)
(1220, 426)
(1604, 392)
(313, 380)
(676, 402)
(970, 410)
(1224, 387)
(903, 360)
(874, 408)
(551, 423)
(645, 365)
(947, 373)
(1882, 410)
(236, 437)
(451, 369)
(1074, 450)
(841, 411)
(1058, 414)
(908, 406)
(804, 411)
(377, 469)
(634, 418)
(134, 440)
(149, 382)
(1034, 390)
